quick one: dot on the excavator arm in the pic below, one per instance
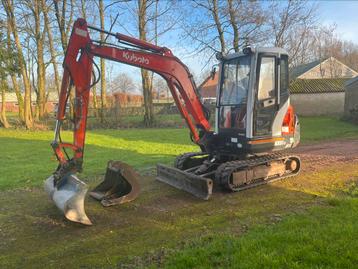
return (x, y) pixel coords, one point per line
(78, 75)
(78, 66)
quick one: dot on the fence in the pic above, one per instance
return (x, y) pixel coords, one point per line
(165, 115)
(117, 111)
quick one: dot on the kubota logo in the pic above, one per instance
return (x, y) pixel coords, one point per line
(134, 58)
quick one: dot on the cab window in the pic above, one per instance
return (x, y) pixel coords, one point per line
(235, 82)
(266, 86)
(233, 94)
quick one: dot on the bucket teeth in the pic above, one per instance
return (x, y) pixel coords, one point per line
(69, 197)
(198, 186)
(119, 186)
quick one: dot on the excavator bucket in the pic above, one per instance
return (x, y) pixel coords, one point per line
(119, 186)
(200, 187)
(69, 197)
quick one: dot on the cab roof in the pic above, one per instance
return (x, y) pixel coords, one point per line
(257, 50)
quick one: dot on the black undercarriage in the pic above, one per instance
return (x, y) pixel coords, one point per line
(198, 171)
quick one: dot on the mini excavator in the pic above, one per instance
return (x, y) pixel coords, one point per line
(255, 125)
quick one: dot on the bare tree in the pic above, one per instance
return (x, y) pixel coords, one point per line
(64, 20)
(290, 26)
(84, 9)
(233, 22)
(143, 6)
(350, 54)
(154, 20)
(4, 70)
(15, 85)
(222, 26)
(123, 83)
(212, 6)
(38, 32)
(3, 118)
(247, 21)
(327, 45)
(160, 88)
(9, 9)
(325, 41)
(103, 65)
(45, 10)
(207, 30)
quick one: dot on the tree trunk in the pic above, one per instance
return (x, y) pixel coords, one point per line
(234, 26)
(27, 107)
(20, 99)
(94, 88)
(146, 81)
(15, 85)
(51, 45)
(31, 74)
(3, 118)
(155, 42)
(148, 98)
(41, 96)
(95, 104)
(61, 21)
(215, 13)
(64, 31)
(103, 66)
(83, 9)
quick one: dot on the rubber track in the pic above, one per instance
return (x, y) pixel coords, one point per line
(225, 170)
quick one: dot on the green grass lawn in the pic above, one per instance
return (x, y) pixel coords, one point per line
(27, 158)
(315, 129)
(309, 221)
(322, 237)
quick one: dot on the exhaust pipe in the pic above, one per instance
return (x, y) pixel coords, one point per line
(69, 197)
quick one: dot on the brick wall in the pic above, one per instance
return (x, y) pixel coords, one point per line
(318, 104)
(13, 107)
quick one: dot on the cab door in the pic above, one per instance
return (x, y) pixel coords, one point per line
(266, 89)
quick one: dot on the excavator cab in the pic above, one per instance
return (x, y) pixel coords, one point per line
(254, 120)
(253, 102)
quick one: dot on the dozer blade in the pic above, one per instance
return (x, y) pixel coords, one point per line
(69, 197)
(119, 186)
(198, 186)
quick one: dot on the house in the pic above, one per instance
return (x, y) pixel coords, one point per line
(315, 97)
(207, 88)
(318, 88)
(127, 100)
(13, 106)
(351, 100)
(325, 68)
